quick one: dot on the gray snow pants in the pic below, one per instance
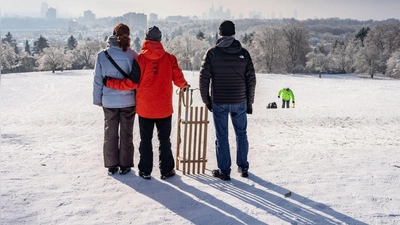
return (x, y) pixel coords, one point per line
(118, 141)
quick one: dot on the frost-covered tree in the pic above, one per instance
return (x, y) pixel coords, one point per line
(177, 32)
(298, 46)
(338, 55)
(268, 49)
(27, 62)
(317, 62)
(368, 60)
(352, 49)
(393, 65)
(247, 39)
(86, 52)
(9, 59)
(188, 50)
(382, 38)
(53, 59)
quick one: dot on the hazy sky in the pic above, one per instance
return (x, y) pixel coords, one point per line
(354, 9)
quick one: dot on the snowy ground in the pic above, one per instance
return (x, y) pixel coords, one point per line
(337, 152)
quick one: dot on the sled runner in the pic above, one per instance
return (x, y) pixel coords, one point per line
(191, 151)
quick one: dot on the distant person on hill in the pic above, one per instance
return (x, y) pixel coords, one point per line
(287, 94)
(119, 106)
(227, 86)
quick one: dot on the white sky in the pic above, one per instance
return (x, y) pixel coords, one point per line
(354, 9)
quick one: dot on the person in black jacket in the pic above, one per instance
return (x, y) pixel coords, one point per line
(227, 85)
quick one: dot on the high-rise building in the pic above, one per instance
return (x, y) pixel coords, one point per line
(89, 16)
(153, 17)
(51, 14)
(43, 9)
(219, 14)
(136, 21)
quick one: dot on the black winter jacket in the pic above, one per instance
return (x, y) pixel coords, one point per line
(229, 70)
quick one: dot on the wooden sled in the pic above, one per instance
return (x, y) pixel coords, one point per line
(191, 151)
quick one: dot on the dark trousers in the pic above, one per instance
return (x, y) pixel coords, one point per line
(283, 103)
(118, 141)
(166, 159)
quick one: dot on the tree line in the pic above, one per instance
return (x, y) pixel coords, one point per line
(292, 47)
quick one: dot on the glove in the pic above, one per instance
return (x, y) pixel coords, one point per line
(105, 79)
(209, 106)
(279, 96)
(186, 88)
(249, 109)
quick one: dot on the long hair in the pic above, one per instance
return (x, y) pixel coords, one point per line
(122, 32)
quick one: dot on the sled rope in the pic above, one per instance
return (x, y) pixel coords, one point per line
(183, 96)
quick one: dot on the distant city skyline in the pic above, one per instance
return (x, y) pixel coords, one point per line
(299, 9)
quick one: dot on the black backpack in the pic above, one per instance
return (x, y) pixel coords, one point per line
(272, 105)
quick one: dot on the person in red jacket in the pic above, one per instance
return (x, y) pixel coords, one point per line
(154, 71)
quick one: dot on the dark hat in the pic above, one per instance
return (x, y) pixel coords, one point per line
(153, 34)
(227, 28)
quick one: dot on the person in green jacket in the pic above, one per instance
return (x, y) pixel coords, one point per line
(287, 94)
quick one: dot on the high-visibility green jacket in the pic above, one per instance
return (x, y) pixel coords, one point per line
(286, 95)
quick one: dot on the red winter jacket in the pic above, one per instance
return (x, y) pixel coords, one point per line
(153, 73)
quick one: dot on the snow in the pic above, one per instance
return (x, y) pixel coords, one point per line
(337, 152)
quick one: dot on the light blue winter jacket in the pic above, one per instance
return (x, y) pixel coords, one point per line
(108, 97)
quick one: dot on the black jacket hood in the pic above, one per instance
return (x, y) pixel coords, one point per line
(229, 44)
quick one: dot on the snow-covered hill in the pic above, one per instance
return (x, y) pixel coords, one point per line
(337, 152)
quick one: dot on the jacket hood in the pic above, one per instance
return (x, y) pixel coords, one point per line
(229, 44)
(152, 49)
(112, 41)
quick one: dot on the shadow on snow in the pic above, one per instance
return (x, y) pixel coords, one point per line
(200, 207)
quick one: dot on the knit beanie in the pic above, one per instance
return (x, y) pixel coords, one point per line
(227, 28)
(153, 34)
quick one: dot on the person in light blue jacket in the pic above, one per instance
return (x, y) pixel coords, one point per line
(119, 106)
